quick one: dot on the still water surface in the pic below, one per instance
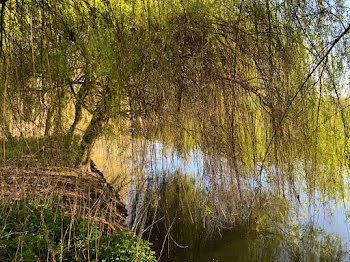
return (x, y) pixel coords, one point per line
(321, 223)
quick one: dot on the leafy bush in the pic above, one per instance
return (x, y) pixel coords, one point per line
(39, 231)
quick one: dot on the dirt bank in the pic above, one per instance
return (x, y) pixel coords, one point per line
(81, 193)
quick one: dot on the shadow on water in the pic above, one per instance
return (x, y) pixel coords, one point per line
(189, 215)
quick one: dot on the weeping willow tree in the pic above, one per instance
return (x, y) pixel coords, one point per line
(59, 55)
(256, 83)
(258, 87)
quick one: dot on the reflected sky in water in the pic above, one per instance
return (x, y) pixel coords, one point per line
(327, 218)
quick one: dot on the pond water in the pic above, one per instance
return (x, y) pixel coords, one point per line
(310, 227)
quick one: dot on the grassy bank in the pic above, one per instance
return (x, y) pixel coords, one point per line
(38, 230)
(38, 151)
(53, 212)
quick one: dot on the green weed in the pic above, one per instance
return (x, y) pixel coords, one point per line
(39, 231)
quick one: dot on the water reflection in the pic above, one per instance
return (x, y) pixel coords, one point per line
(184, 203)
(263, 246)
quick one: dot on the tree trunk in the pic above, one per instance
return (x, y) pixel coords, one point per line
(91, 133)
(48, 122)
(80, 96)
(77, 118)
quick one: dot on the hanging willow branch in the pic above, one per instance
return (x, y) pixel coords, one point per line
(3, 2)
(301, 88)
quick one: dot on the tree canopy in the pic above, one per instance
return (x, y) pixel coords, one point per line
(252, 81)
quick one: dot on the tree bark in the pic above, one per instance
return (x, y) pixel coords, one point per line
(77, 118)
(92, 132)
(80, 96)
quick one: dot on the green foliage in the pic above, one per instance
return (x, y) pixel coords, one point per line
(48, 150)
(125, 247)
(226, 77)
(38, 231)
(226, 71)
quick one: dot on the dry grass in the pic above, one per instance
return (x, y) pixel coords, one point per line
(81, 193)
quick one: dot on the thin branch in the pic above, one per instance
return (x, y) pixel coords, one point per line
(302, 86)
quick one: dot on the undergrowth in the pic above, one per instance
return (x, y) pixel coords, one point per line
(37, 230)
